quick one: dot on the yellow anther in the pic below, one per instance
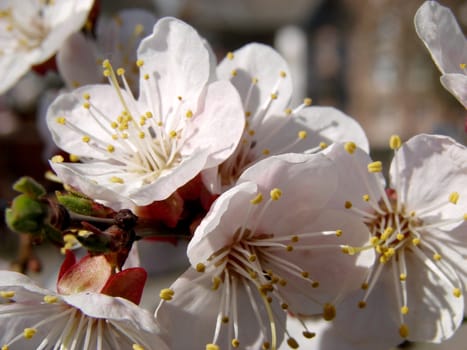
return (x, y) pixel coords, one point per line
(346, 249)
(404, 330)
(7, 294)
(230, 55)
(74, 158)
(86, 96)
(266, 151)
(233, 72)
(212, 347)
(106, 73)
(338, 233)
(361, 304)
(61, 120)
(216, 282)
(166, 294)
(252, 258)
(323, 145)
(146, 76)
(462, 65)
(251, 132)
(258, 199)
(117, 180)
(139, 63)
(416, 241)
(307, 101)
(282, 74)
(110, 148)
(329, 312)
(86, 139)
(106, 64)
(57, 159)
(114, 125)
(5, 347)
(137, 347)
(364, 286)
(308, 334)
(387, 233)
(402, 277)
(454, 197)
(395, 142)
(437, 257)
(275, 194)
(173, 134)
(350, 147)
(235, 343)
(400, 236)
(141, 135)
(348, 205)
(273, 96)
(189, 113)
(302, 134)
(374, 241)
(86, 105)
(288, 111)
(465, 216)
(383, 259)
(247, 114)
(50, 299)
(28, 333)
(139, 29)
(292, 343)
(200, 267)
(254, 81)
(457, 292)
(404, 310)
(366, 197)
(375, 167)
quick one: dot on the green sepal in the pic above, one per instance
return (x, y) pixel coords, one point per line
(79, 205)
(55, 236)
(96, 242)
(26, 215)
(29, 186)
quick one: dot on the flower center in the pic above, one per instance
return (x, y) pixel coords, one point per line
(24, 32)
(146, 145)
(63, 326)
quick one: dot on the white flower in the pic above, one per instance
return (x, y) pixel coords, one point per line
(262, 78)
(418, 227)
(33, 31)
(117, 37)
(137, 151)
(266, 246)
(36, 318)
(441, 34)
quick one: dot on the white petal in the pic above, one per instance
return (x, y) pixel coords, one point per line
(194, 308)
(440, 32)
(456, 84)
(176, 56)
(430, 169)
(220, 223)
(77, 61)
(219, 124)
(258, 61)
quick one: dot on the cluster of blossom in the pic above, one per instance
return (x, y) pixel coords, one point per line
(289, 218)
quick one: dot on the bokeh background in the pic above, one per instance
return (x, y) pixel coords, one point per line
(361, 56)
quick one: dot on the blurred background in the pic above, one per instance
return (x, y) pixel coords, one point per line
(361, 56)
